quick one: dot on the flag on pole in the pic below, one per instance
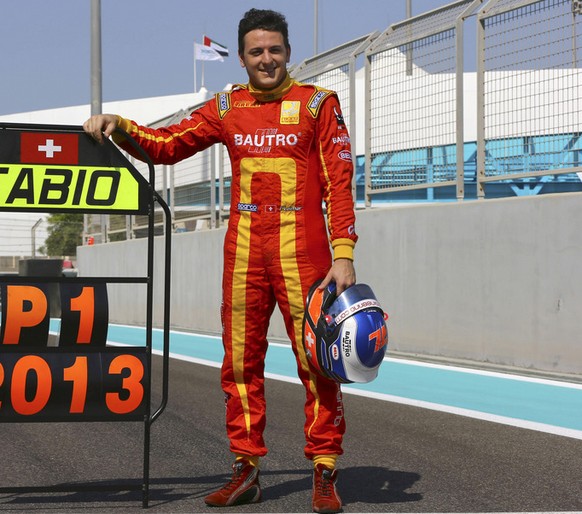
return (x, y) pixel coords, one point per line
(206, 53)
(221, 49)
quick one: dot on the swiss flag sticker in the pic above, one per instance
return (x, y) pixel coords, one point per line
(48, 148)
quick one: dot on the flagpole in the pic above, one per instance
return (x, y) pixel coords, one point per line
(96, 91)
(209, 51)
(96, 72)
(315, 27)
(202, 79)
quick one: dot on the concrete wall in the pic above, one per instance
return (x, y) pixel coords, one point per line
(494, 281)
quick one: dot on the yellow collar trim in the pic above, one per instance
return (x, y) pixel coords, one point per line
(272, 94)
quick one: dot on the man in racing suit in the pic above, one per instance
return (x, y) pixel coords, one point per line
(290, 151)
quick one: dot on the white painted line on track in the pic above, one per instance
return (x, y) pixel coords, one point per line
(530, 425)
(539, 427)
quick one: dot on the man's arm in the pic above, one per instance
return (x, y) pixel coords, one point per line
(164, 145)
(337, 172)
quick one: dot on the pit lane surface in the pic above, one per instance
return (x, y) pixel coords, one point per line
(398, 458)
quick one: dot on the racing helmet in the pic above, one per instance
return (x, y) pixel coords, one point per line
(345, 337)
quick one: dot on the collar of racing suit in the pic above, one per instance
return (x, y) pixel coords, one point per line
(272, 94)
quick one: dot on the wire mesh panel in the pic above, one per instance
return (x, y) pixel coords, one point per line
(95, 228)
(193, 180)
(337, 80)
(334, 70)
(224, 184)
(22, 235)
(412, 111)
(530, 71)
(190, 184)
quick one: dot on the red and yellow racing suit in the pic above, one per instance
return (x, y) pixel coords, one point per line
(289, 150)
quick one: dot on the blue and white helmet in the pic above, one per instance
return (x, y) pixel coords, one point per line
(345, 337)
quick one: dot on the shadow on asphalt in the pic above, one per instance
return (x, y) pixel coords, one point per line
(364, 484)
(367, 484)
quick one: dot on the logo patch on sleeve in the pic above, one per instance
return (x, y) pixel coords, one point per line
(316, 100)
(223, 103)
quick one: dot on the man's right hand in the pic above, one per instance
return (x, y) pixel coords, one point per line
(101, 125)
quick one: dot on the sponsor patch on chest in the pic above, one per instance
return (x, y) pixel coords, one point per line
(290, 112)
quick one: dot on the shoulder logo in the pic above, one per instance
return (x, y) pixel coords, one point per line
(317, 98)
(223, 103)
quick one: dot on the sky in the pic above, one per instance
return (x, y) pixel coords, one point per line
(148, 45)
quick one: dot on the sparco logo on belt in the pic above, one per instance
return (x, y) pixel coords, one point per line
(248, 207)
(263, 140)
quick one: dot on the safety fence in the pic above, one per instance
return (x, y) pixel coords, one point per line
(476, 99)
(529, 92)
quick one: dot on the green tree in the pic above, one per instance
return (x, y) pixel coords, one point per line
(65, 234)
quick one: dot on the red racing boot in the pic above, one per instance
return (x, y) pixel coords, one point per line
(325, 497)
(243, 487)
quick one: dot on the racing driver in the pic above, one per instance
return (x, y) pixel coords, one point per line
(290, 153)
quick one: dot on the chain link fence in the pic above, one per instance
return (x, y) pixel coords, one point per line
(414, 107)
(529, 93)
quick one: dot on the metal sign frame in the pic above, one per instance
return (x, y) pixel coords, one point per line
(88, 177)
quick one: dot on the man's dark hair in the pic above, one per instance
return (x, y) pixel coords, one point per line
(264, 19)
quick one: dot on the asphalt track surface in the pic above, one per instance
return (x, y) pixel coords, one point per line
(398, 458)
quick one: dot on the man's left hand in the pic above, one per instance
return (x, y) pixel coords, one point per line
(342, 272)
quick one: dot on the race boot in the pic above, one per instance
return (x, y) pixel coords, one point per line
(325, 497)
(243, 487)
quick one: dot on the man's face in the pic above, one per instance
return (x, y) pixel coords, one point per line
(265, 58)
